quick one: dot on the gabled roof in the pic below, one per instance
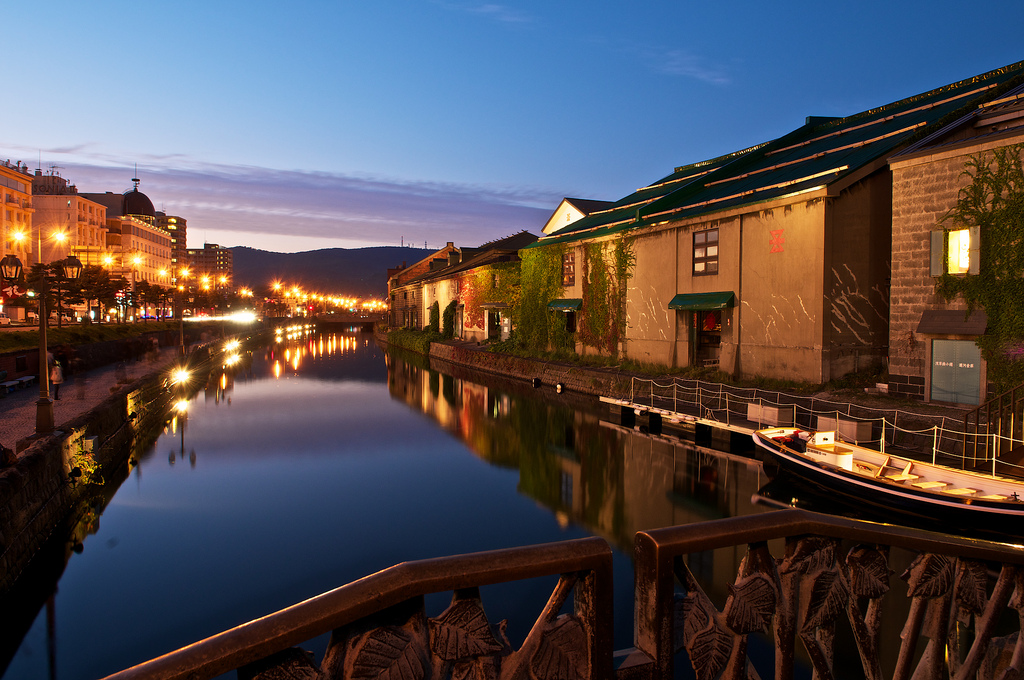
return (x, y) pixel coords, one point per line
(824, 152)
(502, 250)
(513, 242)
(588, 205)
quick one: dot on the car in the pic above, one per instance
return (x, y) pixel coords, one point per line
(4, 319)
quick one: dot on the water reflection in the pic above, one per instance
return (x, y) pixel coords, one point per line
(317, 459)
(611, 480)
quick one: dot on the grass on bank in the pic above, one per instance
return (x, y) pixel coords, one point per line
(79, 334)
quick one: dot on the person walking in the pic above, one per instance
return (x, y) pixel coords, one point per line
(56, 378)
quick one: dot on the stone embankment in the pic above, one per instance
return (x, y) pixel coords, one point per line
(105, 417)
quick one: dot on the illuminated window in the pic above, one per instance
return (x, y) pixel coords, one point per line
(569, 269)
(955, 252)
(705, 252)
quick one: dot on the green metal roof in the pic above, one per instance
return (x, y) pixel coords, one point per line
(566, 304)
(702, 301)
(824, 151)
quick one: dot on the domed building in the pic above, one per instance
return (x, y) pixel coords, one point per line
(138, 246)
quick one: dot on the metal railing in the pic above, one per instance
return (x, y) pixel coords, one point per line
(378, 622)
(927, 435)
(1002, 426)
(798, 599)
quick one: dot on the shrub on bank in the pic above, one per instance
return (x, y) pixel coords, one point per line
(417, 341)
(79, 334)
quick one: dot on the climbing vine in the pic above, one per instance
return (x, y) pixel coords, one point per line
(434, 324)
(498, 282)
(993, 202)
(448, 320)
(541, 274)
(606, 271)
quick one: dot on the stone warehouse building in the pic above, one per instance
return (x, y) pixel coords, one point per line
(933, 344)
(773, 261)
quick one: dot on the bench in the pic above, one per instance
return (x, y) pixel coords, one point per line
(963, 491)
(26, 380)
(905, 476)
(10, 386)
(930, 485)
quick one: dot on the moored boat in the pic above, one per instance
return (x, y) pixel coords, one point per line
(961, 500)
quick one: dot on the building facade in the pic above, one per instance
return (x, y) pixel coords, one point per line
(177, 227)
(773, 261)
(137, 247)
(16, 211)
(67, 223)
(212, 265)
(934, 355)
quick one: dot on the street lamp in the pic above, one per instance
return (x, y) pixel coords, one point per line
(10, 269)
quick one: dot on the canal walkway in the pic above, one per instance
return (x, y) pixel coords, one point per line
(81, 392)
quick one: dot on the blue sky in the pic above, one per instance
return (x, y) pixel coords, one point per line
(293, 126)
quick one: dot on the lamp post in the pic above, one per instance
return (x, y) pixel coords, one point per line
(181, 306)
(10, 269)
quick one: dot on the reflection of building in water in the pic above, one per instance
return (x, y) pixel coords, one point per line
(612, 480)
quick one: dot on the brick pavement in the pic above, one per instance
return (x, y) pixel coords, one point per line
(80, 393)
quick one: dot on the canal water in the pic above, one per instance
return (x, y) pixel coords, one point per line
(319, 459)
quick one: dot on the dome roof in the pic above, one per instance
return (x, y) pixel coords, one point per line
(138, 203)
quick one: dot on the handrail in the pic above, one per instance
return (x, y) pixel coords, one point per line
(324, 613)
(659, 563)
(998, 405)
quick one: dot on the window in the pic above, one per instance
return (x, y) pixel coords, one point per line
(705, 252)
(955, 252)
(569, 269)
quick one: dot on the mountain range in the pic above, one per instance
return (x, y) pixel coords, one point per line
(349, 272)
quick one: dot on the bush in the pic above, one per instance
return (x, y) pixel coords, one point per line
(448, 325)
(434, 325)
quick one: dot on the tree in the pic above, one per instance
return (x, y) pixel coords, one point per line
(993, 203)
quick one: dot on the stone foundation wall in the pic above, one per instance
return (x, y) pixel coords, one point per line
(38, 492)
(573, 378)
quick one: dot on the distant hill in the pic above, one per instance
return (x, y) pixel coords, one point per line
(359, 272)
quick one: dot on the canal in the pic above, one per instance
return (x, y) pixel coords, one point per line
(319, 459)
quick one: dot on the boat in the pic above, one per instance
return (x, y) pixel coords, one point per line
(895, 487)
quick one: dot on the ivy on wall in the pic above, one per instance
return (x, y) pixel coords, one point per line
(606, 271)
(537, 327)
(494, 283)
(994, 202)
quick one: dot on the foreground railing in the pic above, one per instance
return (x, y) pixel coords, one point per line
(823, 591)
(379, 627)
(800, 598)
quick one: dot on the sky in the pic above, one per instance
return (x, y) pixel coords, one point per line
(334, 123)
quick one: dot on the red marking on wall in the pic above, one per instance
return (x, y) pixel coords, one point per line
(776, 241)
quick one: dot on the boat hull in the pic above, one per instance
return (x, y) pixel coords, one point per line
(875, 497)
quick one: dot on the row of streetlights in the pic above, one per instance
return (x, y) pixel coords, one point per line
(10, 270)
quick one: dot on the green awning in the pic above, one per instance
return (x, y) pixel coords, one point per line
(566, 304)
(691, 302)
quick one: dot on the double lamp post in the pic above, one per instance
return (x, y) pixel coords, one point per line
(10, 270)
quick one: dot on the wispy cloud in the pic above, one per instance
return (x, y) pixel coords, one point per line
(499, 13)
(291, 210)
(686, 64)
